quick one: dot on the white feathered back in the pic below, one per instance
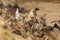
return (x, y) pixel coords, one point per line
(17, 13)
(31, 13)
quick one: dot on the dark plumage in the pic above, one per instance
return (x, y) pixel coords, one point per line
(0, 13)
(50, 28)
(17, 32)
(56, 26)
(1, 5)
(13, 6)
(22, 10)
(37, 9)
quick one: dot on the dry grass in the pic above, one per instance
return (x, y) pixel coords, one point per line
(53, 13)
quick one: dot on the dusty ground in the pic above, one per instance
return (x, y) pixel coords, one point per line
(51, 9)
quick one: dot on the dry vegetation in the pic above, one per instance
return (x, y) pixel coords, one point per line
(41, 25)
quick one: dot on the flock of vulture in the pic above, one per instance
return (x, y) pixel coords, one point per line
(25, 22)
